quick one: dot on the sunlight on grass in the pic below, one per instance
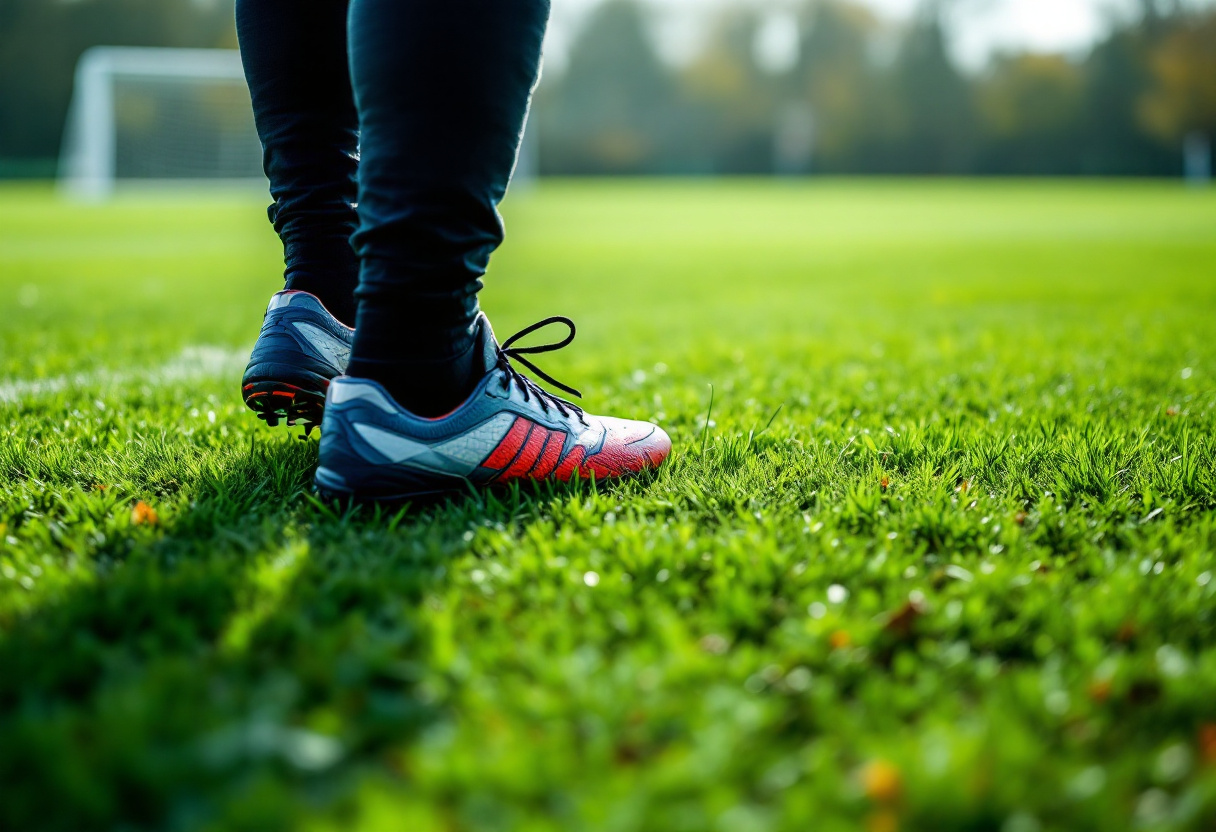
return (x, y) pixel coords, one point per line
(941, 556)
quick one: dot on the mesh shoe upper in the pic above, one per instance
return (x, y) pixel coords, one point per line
(299, 340)
(507, 430)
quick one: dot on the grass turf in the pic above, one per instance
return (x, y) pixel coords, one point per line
(961, 581)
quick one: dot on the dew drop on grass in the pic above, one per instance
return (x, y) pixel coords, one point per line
(1021, 822)
(1087, 783)
(798, 679)
(1171, 661)
(837, 594)
(591, 579)
(1057, 702)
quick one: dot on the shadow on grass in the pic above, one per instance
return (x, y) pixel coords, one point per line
(240, 667)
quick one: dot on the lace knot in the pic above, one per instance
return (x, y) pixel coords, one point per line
(508, 352)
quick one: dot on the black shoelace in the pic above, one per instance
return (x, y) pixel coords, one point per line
(508, 353)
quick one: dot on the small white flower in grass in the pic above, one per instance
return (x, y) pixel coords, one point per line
(959, 573)
(837, 594)
(798, 679)
(1187, 372)
(1204, 578)
(591, 579)
(1087, 783)
(1153, 807)
(1172, 662)
(817, 610)
(1021, 822)
(1173, 764)
(663, 575)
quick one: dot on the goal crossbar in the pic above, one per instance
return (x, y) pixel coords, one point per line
(87, 163)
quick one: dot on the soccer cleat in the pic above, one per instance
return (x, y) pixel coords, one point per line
(300, 349)
(508, 430)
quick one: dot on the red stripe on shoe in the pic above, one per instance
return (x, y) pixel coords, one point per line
(549, 456)
(527, 457)
(509, 447)
(570, 466)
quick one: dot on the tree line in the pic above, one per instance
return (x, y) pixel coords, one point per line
(864, 95)
(871, 97)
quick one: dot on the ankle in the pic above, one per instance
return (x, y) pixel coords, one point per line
(426, 387)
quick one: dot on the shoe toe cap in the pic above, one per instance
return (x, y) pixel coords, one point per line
(634, 446)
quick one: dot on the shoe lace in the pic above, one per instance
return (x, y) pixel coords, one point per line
(508, 353)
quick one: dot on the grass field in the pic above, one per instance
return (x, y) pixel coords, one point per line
(963, 581)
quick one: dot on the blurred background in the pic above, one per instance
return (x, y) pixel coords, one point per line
(702, 87)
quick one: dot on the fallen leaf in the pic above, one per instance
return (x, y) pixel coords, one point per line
(1207, 742)
(1099, 691)
(1020, 518)
(884, 821)
(901, 622)
(143, 514)
(882, 781)
(884, 482)
(840, 640)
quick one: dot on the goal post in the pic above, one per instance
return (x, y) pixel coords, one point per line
(151, 114)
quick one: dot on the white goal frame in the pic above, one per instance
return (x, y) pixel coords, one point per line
(87, 167)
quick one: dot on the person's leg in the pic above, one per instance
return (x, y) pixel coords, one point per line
(296, 63)
(442, 90)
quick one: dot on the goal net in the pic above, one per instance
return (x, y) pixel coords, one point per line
(158, 115)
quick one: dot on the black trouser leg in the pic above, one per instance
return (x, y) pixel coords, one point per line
(442, 89)
(296, 63)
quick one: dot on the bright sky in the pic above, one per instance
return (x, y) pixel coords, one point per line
(979, 27)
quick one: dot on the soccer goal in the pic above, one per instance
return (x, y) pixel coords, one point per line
(148, 115)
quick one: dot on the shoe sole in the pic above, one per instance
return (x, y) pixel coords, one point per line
(329, 489)
(278, 401)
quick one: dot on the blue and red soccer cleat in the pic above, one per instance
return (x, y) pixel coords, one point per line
(300, 349)
(508, 430)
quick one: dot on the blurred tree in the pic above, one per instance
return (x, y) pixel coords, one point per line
(616, 108)
(733, 103)
(41, 41)
(1182, 96)
(935, 120)
(1117, 77)
(843, 84)
(1029, 107)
